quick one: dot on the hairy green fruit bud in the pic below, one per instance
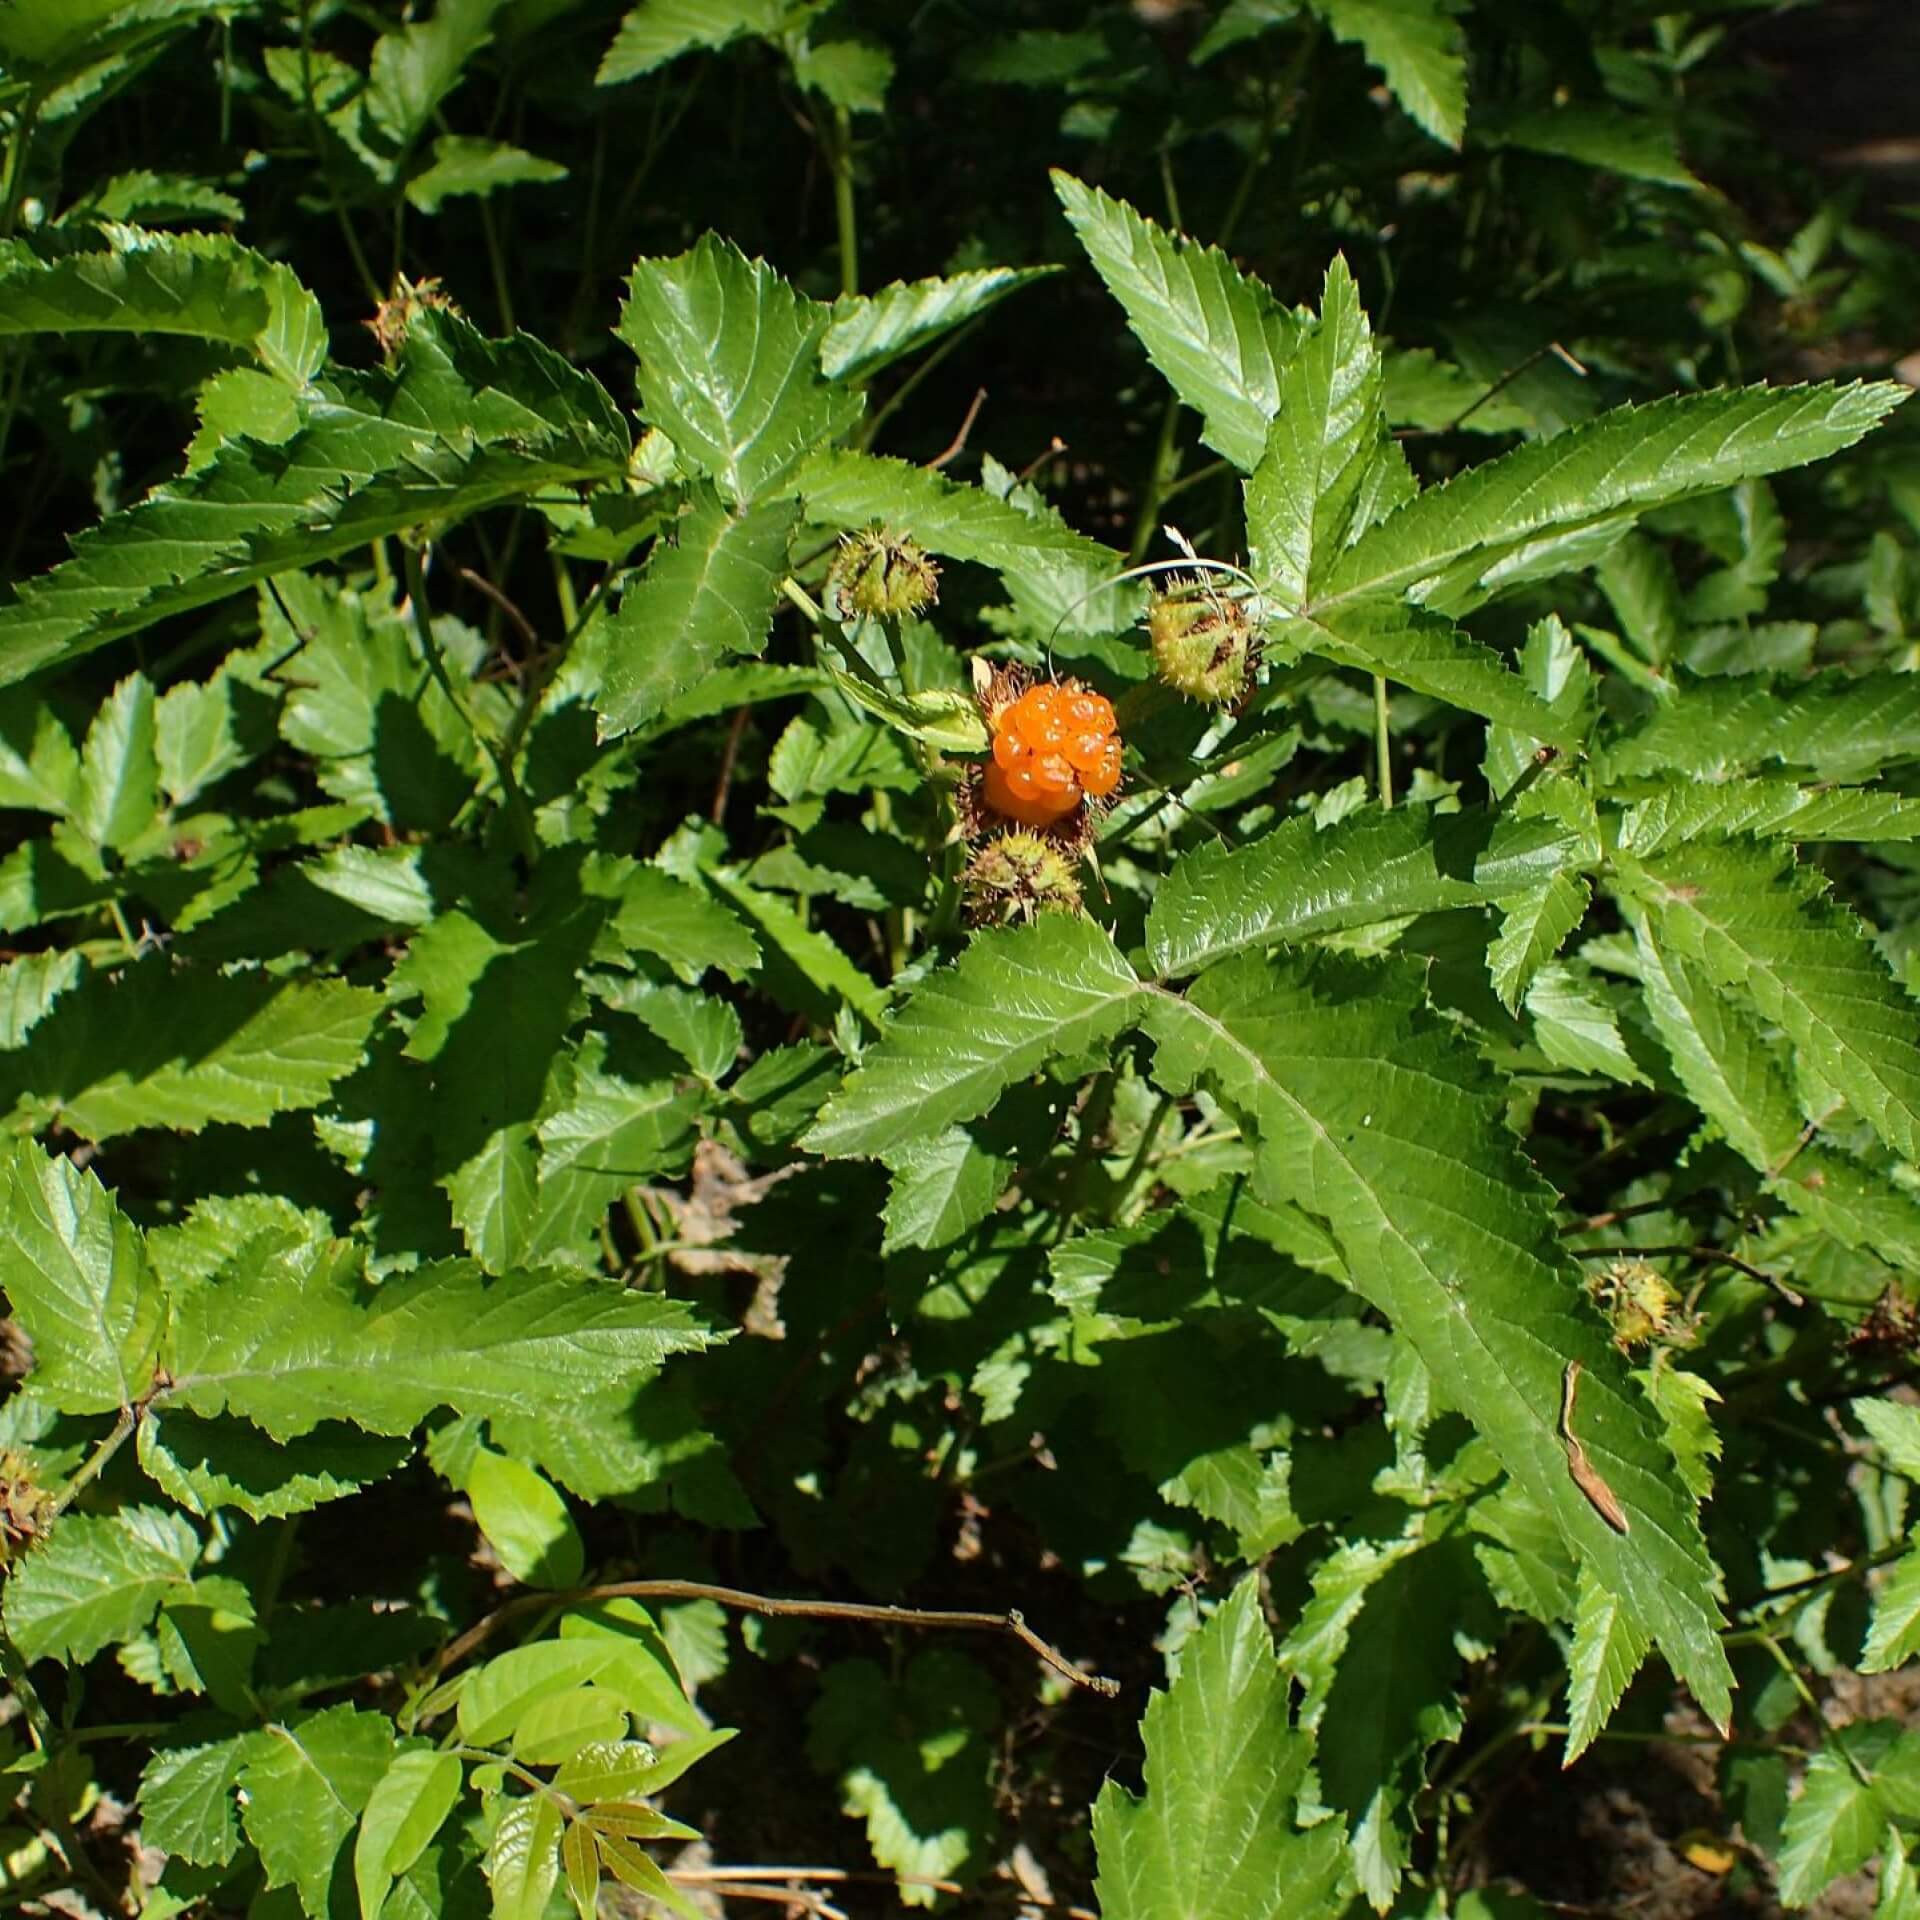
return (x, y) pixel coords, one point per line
(1203, 643)
(1636, 1298)
(1016, 876)
(884, 575)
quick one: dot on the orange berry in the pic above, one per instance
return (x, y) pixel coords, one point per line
(1089, 713)
(1015, 796)
(1053, 773)
(1040, 723)
(1085, 750)
(1009, 749)
(1101, 780)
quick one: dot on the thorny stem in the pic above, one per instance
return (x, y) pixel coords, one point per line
(516, 802)
(769, 1607)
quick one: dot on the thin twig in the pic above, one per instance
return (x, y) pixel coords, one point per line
(1714, 1255)
(481, 584)
(921, 1618)
(957, 445)
(95, 1463)
(726, 1879)
(729, 754)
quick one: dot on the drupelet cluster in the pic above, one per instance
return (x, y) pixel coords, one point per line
(1052, 747)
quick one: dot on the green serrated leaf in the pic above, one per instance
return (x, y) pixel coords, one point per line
(1533, 927)
(1863, 1775)
(98, 1581)
(78, 1282)
(708, 593)
(459, 424)
(209, 1464)
(1453, 538)
(119, 784)
(1299, 882)
(1219, 338)
(871, 331)
(305, 1785)
(1013, 1001)
(1419, 47)
(464, 165)
(1767, 929)
(729, 366)
(1369, 1114)
(122, 280)
(119, 1053)
(1214, 1834)
(657, 31)
(1607, 1650)
(1057, 574)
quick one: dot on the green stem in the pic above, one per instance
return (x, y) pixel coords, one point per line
(518, 815)
(502, 295)
(840, 151)
(323, 154)
(24, 122)
(1138, 1166)
(905, 389)
(1159, 479)
(1382, 741)
(95, 1464)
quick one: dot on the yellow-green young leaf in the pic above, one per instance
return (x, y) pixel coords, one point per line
(304, 1789)
(403, 1813)
(1218, 337)
(1864, 1775)
(509, 1686)
(78, 1282)
(624, 1860)
(871, 331)
(523, 1861)
(1899, 1888)
(526, 1522)
(657, 31)
(98, 1581)
(581, 1858)
(707, 594)
(1606, 1653)
(555, 1729)
(1419, 46)
(630, 1768)
(1452, 538)
(122, 280)
(942, 716)
(1013, 1001)
(729, 366)
(1214, 1837)
(1367, 1112)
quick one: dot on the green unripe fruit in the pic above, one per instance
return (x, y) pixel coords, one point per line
(1016, 876)
(884, 575)
(1203, 644)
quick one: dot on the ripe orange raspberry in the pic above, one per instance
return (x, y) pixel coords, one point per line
(1052, 747)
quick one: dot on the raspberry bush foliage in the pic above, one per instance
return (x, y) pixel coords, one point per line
(958, 960)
